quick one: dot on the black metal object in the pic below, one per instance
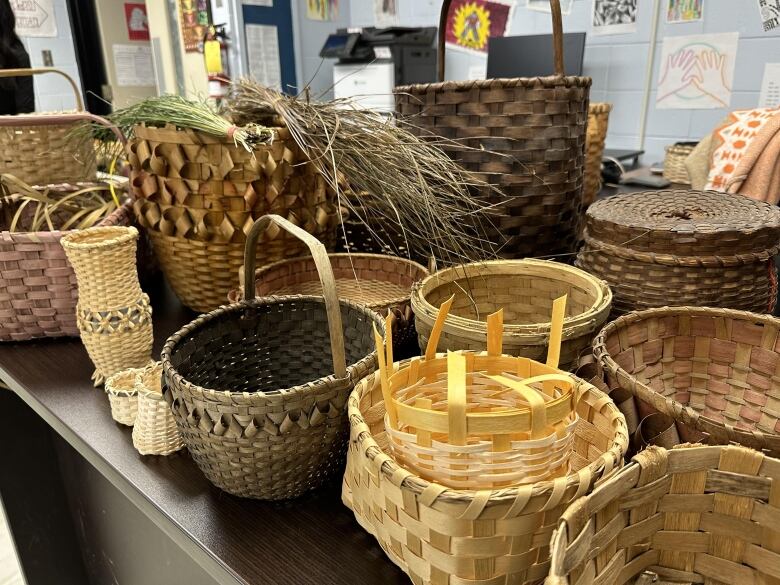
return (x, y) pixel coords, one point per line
(89, 54)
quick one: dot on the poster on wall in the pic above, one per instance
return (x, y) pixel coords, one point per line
(614, 17)
(770, 87)
(697, 71)
(137, 22)
(195, 17)
(770, 14)
(262, 49)
(322, 9)
(544, 6)
(34, 18)
(385, 13)
(470, 23)
(679, 11)
(133, 65)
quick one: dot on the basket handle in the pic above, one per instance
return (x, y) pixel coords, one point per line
(29, 72)
(557, 22)
(324, 270)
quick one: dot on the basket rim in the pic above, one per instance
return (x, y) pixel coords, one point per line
(755, 439)
(546, 81)
(142, 131)
(399, 476)
(170, 372)
(110, 237)
(110, 384)
(536, 333)
(600, 107)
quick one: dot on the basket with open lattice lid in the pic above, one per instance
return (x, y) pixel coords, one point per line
(480, 420)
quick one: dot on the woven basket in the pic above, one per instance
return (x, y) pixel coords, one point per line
(713, 370)
(598, 121)
(689, 515)
(123, 396)
(198, 196)
(253, 390)
(439, 535)
(697, 248)
(525, 290)
(113, 314)
(37, 149)
(155, 431)
(674, 162)
(526, 137)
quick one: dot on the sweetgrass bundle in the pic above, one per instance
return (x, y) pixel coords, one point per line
(400, 179)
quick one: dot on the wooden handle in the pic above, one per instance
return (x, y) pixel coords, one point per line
(557, 22)
(324, 270)
(39, 71)
(50, 119)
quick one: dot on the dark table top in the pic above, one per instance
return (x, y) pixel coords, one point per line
(313, 539)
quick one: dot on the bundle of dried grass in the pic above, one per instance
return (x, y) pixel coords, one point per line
(413, 185)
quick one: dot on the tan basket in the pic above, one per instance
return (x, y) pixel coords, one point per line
(199, 194)
(689, 515)
(123, 396)
(526, 137)
(443, 536)
(674, 162)
(155, 431)
(598, 121)
(114, 316)
(37, 149)
(525, 290)
(713, 370)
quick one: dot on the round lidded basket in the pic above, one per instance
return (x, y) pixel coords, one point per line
(259, 388)
(525, 290)
(155, 431)
(712, 370)
(123, 396)
(684, 248)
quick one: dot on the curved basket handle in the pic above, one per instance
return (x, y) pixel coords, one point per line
(324, 270)
(49, 119)
(557, 21)
(38, 71)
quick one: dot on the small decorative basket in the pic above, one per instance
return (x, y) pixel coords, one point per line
(525, 290)
(674, 162)
(687, 515)
(480, 420)
(713, 371)
(123, 396)
(598, 121)
(155, 431)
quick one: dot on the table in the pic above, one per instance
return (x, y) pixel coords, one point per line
(85, 507)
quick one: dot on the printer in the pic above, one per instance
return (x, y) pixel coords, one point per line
(371, 62)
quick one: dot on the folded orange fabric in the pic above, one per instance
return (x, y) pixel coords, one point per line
(758, 172)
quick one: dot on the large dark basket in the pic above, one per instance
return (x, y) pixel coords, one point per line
(252, 387)
(525, 136)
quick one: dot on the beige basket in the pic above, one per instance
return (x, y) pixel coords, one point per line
(690, 515)
(113, 314)
(123, 396)
(155, 431)
(674, 162)
(598, 121)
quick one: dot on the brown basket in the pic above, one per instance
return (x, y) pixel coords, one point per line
(683, 248)
(526, 137)
(689, 515)
(598, 121)
(253, 391)
(37, 149)
(525, 290)
(439, 535)
(713, 370)
(674, 162)
(198, 196)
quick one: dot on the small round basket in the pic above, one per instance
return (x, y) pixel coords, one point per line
(525, 290)
(122, 396)
(155, 431)
(711, 370)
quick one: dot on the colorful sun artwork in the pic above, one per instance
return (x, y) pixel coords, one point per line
(471, 26)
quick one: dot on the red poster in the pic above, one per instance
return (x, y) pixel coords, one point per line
(137, 22)
(471, 23)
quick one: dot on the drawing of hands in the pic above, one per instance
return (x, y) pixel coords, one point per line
(681, 70)
(712, 70)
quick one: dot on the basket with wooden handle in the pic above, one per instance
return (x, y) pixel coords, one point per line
(526, 139)
(259, 388)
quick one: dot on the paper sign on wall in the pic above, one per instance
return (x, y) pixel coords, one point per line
(133, 65)
(266, 3)
(262, 48)
(770, 14)
(614, 17)
(470, 23)
(322, 9)
(770, 87)
(34, 18)
(544, 6)
(137, 22)
(385, 13)
(679, 11)
(696, 72)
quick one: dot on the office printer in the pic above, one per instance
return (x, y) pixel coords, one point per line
(371, 62)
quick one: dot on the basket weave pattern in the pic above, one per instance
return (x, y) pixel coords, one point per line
(674, 163)
(598, 121)
(123, 397)
(155, 431)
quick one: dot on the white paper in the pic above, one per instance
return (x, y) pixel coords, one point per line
(262, 48)
(478, 71)
(614, 17)
(266, 3)
(385, 13)
(34, 18)
(544, 6)
(770, 87)
(682, 11)
(133, 65)
(696, 72)
(770, 14)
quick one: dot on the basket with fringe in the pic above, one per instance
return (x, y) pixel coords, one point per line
(123, 396)
(155, 431)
